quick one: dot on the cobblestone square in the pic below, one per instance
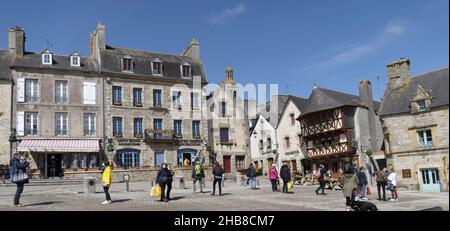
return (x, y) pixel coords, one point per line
(235, 198)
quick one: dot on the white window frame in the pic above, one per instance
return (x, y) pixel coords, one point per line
(61, 120)
(161, 69)
(131, 64)
(86, 86)
(50, 60)
(419, 109)
(73, 58)
(425, 143)
(190, 70)
(36, 94)
(61, 91)
(32, 123)
(92, 124)
(180, 101)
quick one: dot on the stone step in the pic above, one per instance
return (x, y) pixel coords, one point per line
(38, 182)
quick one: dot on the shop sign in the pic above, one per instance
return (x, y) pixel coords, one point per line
(129, 141)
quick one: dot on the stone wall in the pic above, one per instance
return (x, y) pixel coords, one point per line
(5, 121)
(405, 153)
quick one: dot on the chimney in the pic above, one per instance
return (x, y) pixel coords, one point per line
(97, 38)
(192, 50)
(398, 73)
(365, 93)
(16, 41)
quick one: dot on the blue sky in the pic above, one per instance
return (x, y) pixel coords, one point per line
(295, 44)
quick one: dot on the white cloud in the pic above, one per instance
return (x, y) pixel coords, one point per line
(227, 14)
(390, 31)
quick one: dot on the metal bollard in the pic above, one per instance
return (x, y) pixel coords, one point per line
(126, 178)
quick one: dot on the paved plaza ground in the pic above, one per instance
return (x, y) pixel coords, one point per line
(302, 198)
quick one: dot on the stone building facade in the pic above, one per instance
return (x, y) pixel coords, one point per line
(289, 136)
(56, 111)
(153, 105)
(414, 114)
(5, 107)
(262, 144)
(228, 127)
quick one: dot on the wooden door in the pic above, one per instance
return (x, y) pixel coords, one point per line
(227, 164)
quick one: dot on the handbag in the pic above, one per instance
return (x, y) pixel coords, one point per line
(290, 185)
(368, 192)
(155, 191)
(19, 177)
(390, 186)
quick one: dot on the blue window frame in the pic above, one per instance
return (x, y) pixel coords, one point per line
(177, 127)
(159, 157)
(117, 126)
(156, 98)
(127, 158)
(196, 128)
(424, 138)
(138, 127)
(137, 97)
(157, 125)
(224, 135)
(117, 95)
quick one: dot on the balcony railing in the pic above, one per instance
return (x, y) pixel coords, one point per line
(152, 135)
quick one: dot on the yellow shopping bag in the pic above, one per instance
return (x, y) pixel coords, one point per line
(290, 185)
(156, 191)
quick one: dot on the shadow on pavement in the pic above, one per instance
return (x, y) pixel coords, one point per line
(437, 208)
(176, 198)
(45, 203)
(121, 200)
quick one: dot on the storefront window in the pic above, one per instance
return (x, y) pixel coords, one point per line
(127, 158)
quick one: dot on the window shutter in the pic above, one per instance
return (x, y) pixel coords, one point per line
(89, 93)
(20, 123)
(20, 90)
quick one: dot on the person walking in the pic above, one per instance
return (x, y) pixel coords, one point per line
(162, 178)
(285, 174)
(198, 173)
(251, 174)
(273, 177)
(75, 164)
(106, 180)
(320, 174)
(362, 178)
(217, 174)
(381, 178)
(392, 178)
(169, 181)
(18, 172)
(349, 182)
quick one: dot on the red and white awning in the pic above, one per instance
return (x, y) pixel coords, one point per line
(59, 145)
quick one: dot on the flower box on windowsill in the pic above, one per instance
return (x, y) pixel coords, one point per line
(116, 103)
(158, 107)
(178, 136)
(140, 135)
(117, 135)
(137, 104)
(229, 142)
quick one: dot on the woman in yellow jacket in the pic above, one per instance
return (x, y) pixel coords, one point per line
(106, 180)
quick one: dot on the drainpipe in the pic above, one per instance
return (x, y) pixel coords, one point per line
(11, 114)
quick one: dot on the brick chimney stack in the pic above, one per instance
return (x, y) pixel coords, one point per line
(16, 41)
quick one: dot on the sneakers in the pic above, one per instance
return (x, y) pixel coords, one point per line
(396, 200)
(347, 209)
(20, 205)
(392, 200)
(106, 202)
(365, 198)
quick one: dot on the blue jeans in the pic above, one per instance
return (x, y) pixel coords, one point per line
(363, 191)
(252, 182)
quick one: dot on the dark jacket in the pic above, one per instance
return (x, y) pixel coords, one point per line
(202, 172)
(321, 177)
(53, 163)
(18, 167)
(251, 172)
(285, 173)
(381, 177)
(217, 171)
(362, 177)
(163, 176)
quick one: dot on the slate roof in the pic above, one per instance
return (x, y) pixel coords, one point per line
(300, 102)
(5, 61)
(324, 99)
(282, 100)
(60, 62)
(111, 62)
(434, 83)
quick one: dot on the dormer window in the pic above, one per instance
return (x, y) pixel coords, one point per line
(157, 67)
(127, 64)
(421, 106)
(75, 60)
(186, 70)
(47, 58)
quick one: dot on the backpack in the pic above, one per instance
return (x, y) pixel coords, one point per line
(198, 170)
